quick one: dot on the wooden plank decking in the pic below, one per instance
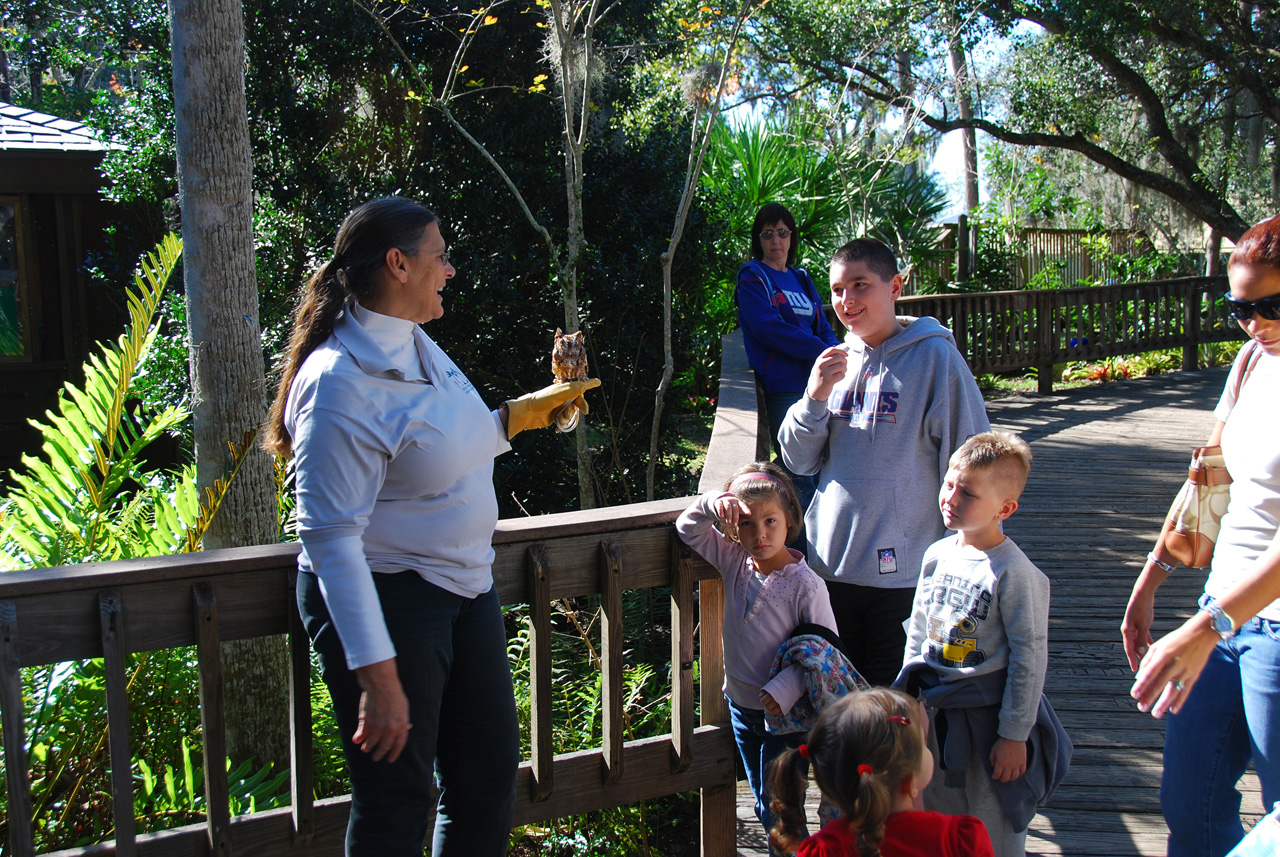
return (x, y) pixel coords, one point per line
(1108, 461)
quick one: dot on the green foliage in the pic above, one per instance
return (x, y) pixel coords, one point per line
(763, 162)
(65, 713)
(1125, 268)
(77, 502)
(92, 496)
(577, 707)
(183, 801)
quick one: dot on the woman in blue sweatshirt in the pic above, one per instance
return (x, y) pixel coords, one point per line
(782, 322)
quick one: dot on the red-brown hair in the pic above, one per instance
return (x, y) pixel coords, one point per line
(1259, 246)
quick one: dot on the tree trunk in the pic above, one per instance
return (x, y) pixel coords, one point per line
(960, 78)
(1275, 170)
(1213, 253)
(227, 377)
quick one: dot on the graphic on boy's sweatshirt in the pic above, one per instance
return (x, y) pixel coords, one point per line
(952, 642)
(953, 645)
(861, 408)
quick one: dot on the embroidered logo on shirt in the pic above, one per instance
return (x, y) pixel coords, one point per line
(459, 380)
(888, 560)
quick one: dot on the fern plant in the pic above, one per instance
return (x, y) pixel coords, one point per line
(87, 496)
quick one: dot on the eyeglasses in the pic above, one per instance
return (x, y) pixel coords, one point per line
(1268, 308)
(767, 235)
(444, 258)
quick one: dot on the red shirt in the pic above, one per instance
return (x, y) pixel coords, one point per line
(907, 834)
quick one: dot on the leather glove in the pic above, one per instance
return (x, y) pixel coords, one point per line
(537, 410)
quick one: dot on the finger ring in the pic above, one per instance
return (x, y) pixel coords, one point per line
(1178, 684)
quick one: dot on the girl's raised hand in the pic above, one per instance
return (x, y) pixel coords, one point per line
(729, 509)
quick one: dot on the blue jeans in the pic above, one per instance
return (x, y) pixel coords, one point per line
(1231, 716)
(776, 405)
(758, 748)
(451, 654)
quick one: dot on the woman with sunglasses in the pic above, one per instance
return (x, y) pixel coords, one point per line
(782, 321)
(1218, 675)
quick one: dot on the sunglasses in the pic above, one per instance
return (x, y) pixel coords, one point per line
(767, 235)
(1268, 308)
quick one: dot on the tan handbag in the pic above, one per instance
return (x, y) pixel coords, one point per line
(1195, 518)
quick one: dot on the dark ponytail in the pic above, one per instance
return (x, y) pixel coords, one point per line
(787, 783)
(359, 253)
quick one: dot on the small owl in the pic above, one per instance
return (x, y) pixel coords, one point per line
(569, 357)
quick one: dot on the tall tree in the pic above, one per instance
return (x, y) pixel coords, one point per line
(703, 90)
(958, 63)
(227, 377)
(1160, 66)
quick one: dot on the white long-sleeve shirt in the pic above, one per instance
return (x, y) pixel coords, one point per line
(393, 472)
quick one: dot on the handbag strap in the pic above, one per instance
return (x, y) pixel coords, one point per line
(1250, 361)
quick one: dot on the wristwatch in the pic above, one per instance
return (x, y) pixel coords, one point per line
(1222, 623)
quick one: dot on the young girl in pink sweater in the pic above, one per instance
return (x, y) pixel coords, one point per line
(769, 592)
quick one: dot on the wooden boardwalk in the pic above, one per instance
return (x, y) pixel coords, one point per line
(1108, 461)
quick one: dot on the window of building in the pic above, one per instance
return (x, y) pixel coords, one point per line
(14, 326)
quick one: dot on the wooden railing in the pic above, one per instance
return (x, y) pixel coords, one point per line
(1008, 331)
(109, 610)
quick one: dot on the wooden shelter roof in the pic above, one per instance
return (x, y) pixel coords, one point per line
(26, 130)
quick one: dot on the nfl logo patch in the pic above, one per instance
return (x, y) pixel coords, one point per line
(888, 560)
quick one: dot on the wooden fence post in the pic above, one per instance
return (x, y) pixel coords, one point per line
(111, 622)
(212, 719)
(719, 804)
(613, 727)
(681, 654)
(17, 778)
(301, 774)
(1191, 328)
(1044, 345)
(540, 729)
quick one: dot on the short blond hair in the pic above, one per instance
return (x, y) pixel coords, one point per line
(1004, 453)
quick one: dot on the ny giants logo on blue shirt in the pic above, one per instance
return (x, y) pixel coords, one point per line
(861, 408)
(800, 303)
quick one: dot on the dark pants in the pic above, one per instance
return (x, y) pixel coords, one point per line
(451, 655)
(871, 627)
(776, 405)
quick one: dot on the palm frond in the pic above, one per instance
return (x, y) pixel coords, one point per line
(69, 504)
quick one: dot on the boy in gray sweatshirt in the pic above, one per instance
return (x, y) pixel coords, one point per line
(977, 651)
(880, 417)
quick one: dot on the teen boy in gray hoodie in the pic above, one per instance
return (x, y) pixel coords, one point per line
(881, 416)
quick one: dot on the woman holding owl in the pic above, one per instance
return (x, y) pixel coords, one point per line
(393, 452)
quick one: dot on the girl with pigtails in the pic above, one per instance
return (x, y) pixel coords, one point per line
(868, 756)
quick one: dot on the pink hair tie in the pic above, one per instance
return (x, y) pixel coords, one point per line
(863, 770)
(899, 719)
(762, 475)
